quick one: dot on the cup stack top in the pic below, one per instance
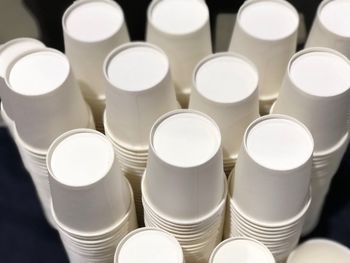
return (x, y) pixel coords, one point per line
(320, 73)
(92, 21)
(268, 20)
(186, 139)
(164, 15)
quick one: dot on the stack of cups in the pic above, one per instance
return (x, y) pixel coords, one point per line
(266, 33)
(269, 189)
(44, 102)
(184, 187)
(320, 251)
(225, 87)
(331, 29)
(149, 245)
(316, 91)
(139, 91)
(92, 202)
(242, 250)
(92, 29)
(182, 29)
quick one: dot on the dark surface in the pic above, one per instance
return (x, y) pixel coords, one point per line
(24, 234)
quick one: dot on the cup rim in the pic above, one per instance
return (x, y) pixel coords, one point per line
(68, 134)
(311, 50)
(77, 3)
(173, 113)
(285, 3)
(318, 17)
(344, 140)
(124, 47)
(282, 117)
(143, 229)
(174, 35)
(213, 212)
(219, 55)
(232, 239)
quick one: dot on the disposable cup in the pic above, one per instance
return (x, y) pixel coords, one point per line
(316, 97)
(92, 29)
(320, 251)
(278, 179)
(82, 165)
(139, 90)
(241, 249)
(225, 87)
(329, 28)
(41, 82)
(182, 29)
(151, 245)
(266, 33)
(184, 171)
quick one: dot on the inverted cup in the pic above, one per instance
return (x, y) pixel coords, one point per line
(41, 82)
(315, 97)
(139, 90)
(225, 86)
(88, 192)
(278, 179)
(321, 251)
(181, 28)
(266, 33)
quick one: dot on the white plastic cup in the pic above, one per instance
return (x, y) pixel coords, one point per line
(150, 245)
(243, 250)
(88, 191)
(225, 87)
(184, 177)
(182, 29)
(139, 91)
(330, 27)
(92, 29)
(8, 52)
(320, 251)
(41, 82)
(266, 33)
(316, 88)
(277, 179)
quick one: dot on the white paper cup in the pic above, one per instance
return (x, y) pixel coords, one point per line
(150, 245)
(266, 33)
(88, 192)
(8, 52)
(330, 27)
(181, 28)
(139, 90)
(320, 251)
(226, 89)
(42, 83)
(277, 179)
(184, 171)
(92, 29)
(241, 249)
(316, 88)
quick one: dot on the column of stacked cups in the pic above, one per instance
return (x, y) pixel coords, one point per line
(92, 29)
(182, 29)
(184, 186)
(316, 91)
(269, 191)
(330, 29)
(266, 33)
(149, 245)
(92, 202)
(139, 90)
(243, 250)
(38, 83)
(225, 86)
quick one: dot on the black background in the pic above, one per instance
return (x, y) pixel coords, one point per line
(24, 234)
